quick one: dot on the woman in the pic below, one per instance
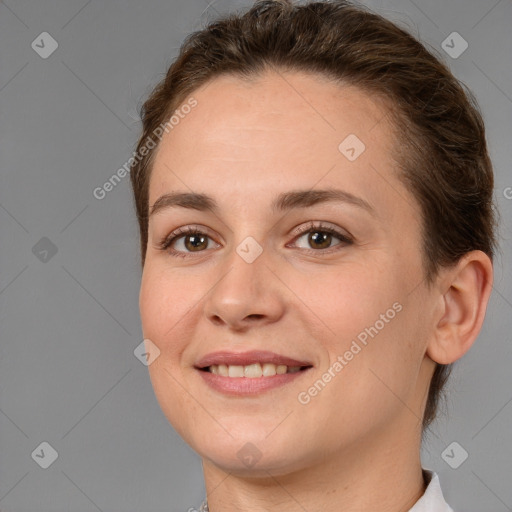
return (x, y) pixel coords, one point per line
(314, 197)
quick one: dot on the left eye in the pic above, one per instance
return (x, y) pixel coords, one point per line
(321, 238)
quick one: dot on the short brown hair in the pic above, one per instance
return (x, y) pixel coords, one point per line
(442, 153)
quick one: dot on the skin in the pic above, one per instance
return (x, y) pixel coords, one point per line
(356, 445)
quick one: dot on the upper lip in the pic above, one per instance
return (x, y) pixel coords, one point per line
(246, 358)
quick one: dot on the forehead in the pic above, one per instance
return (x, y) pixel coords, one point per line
(282, 130)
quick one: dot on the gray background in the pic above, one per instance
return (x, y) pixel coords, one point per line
(70, 321)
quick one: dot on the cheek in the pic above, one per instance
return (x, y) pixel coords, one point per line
(367, 320)
(163, 304)
(348, 300)
(385, 371)
(164, 301)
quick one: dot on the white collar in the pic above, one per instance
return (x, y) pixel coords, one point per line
(433, 499)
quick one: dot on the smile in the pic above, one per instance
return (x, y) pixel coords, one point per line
(249, 380)
(253, 371)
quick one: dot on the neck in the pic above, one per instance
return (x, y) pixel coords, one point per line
(364, 478)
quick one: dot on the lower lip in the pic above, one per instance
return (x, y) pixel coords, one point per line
(246, 386)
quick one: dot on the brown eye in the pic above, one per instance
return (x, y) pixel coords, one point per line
(185, 241)
(319, 239)
(195, 242)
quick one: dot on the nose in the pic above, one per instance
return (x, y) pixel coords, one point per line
(247, 294)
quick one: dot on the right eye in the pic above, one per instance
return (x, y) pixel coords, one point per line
(191, 238)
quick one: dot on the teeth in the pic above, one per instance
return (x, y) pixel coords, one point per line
(252, 371)
(235, 371)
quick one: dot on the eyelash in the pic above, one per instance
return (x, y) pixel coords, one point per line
(166, 242)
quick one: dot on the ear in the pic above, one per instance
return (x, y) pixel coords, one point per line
(464, 292)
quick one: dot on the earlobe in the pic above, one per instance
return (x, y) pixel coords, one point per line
(464, 295)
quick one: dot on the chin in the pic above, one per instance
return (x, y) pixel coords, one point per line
(257, 453)
(247, 462)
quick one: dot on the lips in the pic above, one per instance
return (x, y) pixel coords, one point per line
(247, 358)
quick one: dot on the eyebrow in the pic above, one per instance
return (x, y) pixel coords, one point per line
(283, 202)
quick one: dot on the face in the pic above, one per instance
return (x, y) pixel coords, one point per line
(333, 282)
